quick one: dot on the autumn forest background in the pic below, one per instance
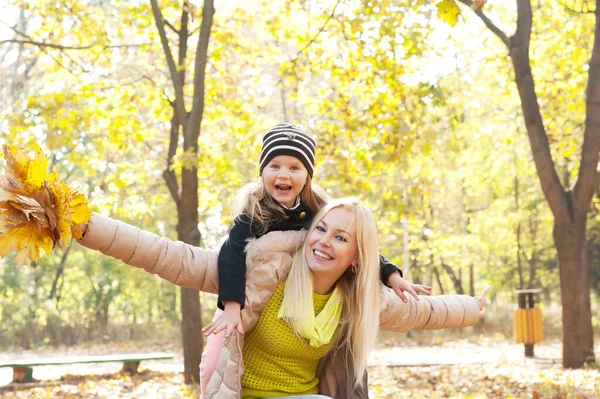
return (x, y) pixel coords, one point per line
(414, 107)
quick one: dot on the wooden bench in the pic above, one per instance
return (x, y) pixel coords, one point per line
(23, 369)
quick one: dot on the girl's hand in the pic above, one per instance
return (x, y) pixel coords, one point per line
(399, 285)
(481, 302)
(230, 320)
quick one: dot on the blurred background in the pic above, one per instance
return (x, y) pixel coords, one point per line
(415, 110)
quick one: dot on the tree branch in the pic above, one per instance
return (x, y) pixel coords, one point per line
(59, 271)
(519, 53)
(171, 26)
(44, 44)
(61, 47)
(160, 25)
(193, 130)
(524, 23)
(587, 181)
(488, 22)
(311, 41)
(321, 29)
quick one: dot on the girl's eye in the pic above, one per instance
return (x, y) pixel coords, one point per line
(295, 168)
(274, 166)
(341, 238)
(320, 228)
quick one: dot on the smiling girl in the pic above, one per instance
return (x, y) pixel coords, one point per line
(282, 199)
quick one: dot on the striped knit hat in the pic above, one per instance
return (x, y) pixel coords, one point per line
(288, 139)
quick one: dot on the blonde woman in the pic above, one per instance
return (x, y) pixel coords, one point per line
(312, 302)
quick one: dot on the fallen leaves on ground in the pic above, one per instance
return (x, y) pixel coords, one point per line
(478, 381)
(473, 381)
(505, 377)
(146, 384)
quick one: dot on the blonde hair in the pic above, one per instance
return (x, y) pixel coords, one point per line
(254, 200)
(360, 291)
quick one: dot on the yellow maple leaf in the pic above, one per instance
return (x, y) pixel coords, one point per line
(63, 226)
(80, 213)
(448, 12)
(27, 240)
(25, 173)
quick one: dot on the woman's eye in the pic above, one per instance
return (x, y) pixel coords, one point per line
(341, 238)
(321, 229)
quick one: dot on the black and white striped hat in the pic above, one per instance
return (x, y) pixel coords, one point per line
(288, 139)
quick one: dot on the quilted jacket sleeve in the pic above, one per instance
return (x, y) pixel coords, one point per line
(429, 313)
(175, 261)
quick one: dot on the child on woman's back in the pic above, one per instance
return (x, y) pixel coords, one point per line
(282, 199)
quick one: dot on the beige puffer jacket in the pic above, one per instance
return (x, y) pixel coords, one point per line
(267, 263)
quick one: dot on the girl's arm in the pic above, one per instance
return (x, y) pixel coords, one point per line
(386, 269)
(392, 277)
(430, 313)
(232, 263)
(175, 261)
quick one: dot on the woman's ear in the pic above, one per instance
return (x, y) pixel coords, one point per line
(354, 265)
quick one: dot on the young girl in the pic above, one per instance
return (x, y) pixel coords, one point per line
(283, 199)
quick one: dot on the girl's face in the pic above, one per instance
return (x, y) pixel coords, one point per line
(284, 178)
(332, 246)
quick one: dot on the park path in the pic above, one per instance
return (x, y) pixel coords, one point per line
(454, 352)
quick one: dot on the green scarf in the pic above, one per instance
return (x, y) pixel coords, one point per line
(319, 330)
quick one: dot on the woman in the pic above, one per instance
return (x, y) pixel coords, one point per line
(333, 283)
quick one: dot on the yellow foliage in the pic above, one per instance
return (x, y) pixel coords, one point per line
(36, 210)
(448, 12)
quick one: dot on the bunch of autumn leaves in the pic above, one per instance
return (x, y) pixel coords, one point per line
(37, 211)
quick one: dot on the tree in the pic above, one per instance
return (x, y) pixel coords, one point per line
(185, 191)
(569, 204)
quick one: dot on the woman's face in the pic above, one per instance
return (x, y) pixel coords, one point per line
(332, 246)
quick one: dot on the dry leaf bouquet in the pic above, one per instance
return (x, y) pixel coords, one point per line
(37, 211)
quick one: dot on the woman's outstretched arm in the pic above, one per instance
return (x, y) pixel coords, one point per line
(431, 313)
(175, 261)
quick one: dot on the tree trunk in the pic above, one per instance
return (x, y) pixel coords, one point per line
(439, 280)
(186, 198)
(570, 208)
(533, 260)
(578, 336)
(191, 320)
(456, 280)
(191, 334)
(471, 279)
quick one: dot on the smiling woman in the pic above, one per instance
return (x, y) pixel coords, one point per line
(332, 247)
(310, 331)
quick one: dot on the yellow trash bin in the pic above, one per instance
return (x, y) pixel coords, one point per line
(528, 321)
(528, 326)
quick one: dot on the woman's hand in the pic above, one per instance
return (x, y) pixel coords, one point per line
(83, 227)
(481, 302)
(399, 285)
(230, 320)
